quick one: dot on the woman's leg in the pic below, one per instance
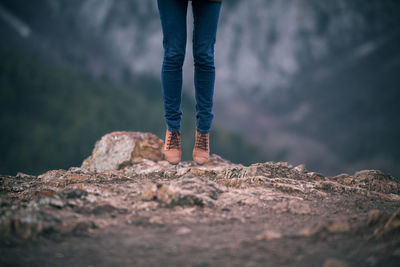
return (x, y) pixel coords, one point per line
(205, 15)
(173, 23)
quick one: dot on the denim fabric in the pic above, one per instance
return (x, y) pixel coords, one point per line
(173, 22)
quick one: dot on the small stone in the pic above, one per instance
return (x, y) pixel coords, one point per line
(334, 263)
(316, 176)
(91, 198)
(71, 203)
(103, 209)
(183, 231)
(348, 181)
(51, 175)
(78, 170)
(338, 226)
(300, 168)
(167, 194)
(156, 220)
(309, 231)
(342, 178)
(73, 193)
(269, 235)
(288, 188)
(149, 192)
(23, 175)
(373, 217)
(57, 203)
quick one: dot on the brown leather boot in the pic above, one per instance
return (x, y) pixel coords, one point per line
(201, 148)
(172, 147)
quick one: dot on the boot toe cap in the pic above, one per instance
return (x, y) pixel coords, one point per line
(199, 157)
(173, 157)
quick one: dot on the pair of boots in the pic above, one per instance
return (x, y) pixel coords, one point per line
(172, 147)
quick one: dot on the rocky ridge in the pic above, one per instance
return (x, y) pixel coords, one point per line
(216, 213)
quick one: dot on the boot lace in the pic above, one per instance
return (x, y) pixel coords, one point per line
(174, 140)
(202, 141)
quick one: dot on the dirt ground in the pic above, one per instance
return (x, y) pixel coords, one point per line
(245, 226)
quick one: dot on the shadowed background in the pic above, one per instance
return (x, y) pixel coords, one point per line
(309, 81)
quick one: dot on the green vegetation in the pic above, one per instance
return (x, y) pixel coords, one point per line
(51, 117)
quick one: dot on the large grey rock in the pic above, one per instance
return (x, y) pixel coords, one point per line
(120, 149)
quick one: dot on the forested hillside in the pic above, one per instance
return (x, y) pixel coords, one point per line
(50, 116)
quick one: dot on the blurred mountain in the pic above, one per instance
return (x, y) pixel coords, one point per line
(313, 81)
(52, 104)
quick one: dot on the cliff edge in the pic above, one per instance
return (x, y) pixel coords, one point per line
(125, 205)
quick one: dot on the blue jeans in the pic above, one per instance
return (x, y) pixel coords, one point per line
(173, 22)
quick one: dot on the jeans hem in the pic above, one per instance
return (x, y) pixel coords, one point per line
(203, 131)
(171, 129)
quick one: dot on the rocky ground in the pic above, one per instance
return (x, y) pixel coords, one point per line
(126, 206)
